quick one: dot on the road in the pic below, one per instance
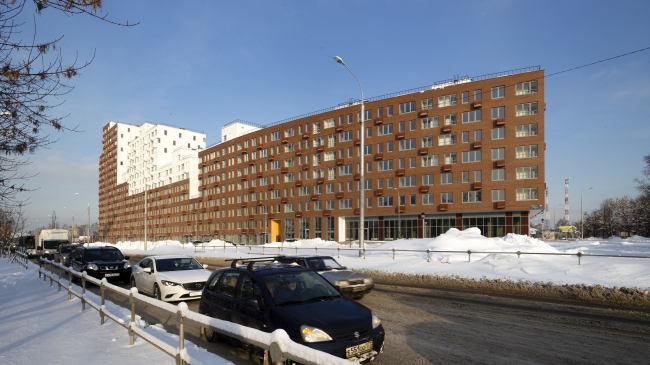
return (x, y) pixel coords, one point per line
(426, 325)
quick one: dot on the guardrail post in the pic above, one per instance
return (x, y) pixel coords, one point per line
(181, 330)
(69, 284)
(101, 309)
(428, 255)
(278, 250)
(339, 249)
(518, 254)
(364, 253)
(579, 254)
(316, 250)
(59, 282)
(393, 254)
(83, 291)
(224, 246)
(249, 249)
(131, 333)
(469, 255)
(296, 250)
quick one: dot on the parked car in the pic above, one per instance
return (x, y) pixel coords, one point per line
(101, 262)
(170, 278)
(271, 295)
(351, 283)
(63, 252)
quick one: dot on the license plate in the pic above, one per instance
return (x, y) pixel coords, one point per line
(358, 349)
(195, 293)
(359, 288)
(111, 275)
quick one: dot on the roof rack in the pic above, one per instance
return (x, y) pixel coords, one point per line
(252, 261)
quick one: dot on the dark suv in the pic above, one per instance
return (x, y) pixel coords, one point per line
(101, 262)
(269, 296)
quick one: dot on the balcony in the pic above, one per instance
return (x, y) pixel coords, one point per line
(271, 215)
(424, 189)
(339, 128)
(314, 197)
(340, 161)
(285, 140)
(271, 157)
(244, 177)
(400, 209)
(339, 195)
(423, 151)
(251, 190)
(284, 170)
(298, 182)
(327, 213)
(379, 192)
(379, 156)
(260, 146)
(477, 144)
(379, 121)
(320, 180)
(443, 207)
(271, 186)
(400, 135)
(320, 148)
(477, 185)
(500, 163)
(357, 142)
(260, 202)
(244, 151)
(357, 211)
(244, 231)
(298, 152)
(244, 205)
(306, 135)
(445, 129)
(423, 113)
(500, 122)
(400, 172)
(260, 174)
(501, 205)
(305, 166)
(477, 104)
(298, 214)
(357, 176)
(446, 168)
(251, 217)
(251, 162)
(284, 200)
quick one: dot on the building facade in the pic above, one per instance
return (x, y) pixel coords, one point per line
(460, 153)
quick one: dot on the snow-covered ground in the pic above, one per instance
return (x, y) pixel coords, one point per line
(606, 271)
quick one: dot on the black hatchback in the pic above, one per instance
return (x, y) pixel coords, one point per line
(270, 296)
(101, 262)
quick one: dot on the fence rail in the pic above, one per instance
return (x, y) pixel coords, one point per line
(469, 253)
(277, 346)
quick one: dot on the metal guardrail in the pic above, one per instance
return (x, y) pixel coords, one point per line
(276, 344)
(469, 253)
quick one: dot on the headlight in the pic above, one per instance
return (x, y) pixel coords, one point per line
(367, 281)
(92, 267)
(313, 334)
(127, 265)
(343, 283)
(375, 320)
(169, 283)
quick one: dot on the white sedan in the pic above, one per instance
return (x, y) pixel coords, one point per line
(170, 278)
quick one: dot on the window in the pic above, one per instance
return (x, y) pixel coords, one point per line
(498, 92)
(329, 156)
(427, 103)
(319, 141)
(380, 112)
(427, 179)
(446, 100)
(385, 165)
(465, 137)
(528, 87)
(402, 126)
(471, 117)
(447, 139)
(331, 140)
(499, 195)
(288, 132)
(465, 97)
(329, 205)
(446, 198)
(428, 161)
(465, 176)
(528, 172)
(527, 194)
(329, 188)
(427, 141)
(304, 190)
(412, 124)
(499, 112)
(368, 114)
(478, 94)
(316, 127)
(472, 156)
(331, 173)
(499, 133)
(345, 136)
(478, 176)
(329, 123)
(526, 109)
(406, 181)
(289, 147)
(526, 130)
(288, 162)
(390, 111)
(385, 129)
(345, 170)
(431, 122)
(427, 199)
(471, 196)
(446, 178)
(407, 107)
(498, 153)
(407, 144)
(385, 201)
(275, 194)
(450, 158)
(478, 135)
(275, 165)
(450, 119)
(289, 177)
(275, 136)
(526, 151)
(367, 149)
(345, 204)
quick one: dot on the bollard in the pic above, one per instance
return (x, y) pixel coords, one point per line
(39, 270)
(83, 291)
(69, 285)
(339, 249)
(296, 250)
(364, 253)
(181, 332)
(278, 250)
(469, 255)
(59, 278)
(316, 250)
(579, 254)
(101, 310)
(518, 254)
(428, 255)
(393, 254)
(131, 333)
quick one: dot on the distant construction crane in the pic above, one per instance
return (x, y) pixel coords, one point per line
(566, 201)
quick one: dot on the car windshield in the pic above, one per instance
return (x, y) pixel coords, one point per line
(103, 255)
(298, 287)
(67, 249)
(322, 263)
(183, 263)
(53, 244)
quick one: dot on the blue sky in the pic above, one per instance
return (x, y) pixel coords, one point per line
(202, 64)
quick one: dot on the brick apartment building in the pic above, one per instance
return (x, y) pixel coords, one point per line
(460, 153)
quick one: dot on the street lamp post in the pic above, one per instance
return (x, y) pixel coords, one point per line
(399, 215)
(88, 233)
(362, 184)
(582, 218)
(424, 225)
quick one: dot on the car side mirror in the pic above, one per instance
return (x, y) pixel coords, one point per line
(252, 304)
(205, 266)
(127, 257)
(147, 270)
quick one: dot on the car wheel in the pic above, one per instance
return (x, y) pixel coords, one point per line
(210, 335)
(156, 292)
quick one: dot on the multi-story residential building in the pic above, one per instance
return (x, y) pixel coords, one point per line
(460, 153)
